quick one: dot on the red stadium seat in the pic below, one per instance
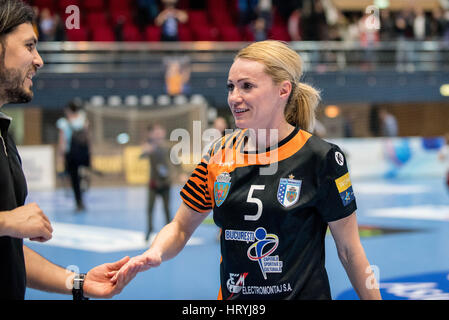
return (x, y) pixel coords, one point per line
(198, 18)
(152, 33)
(103, 34)
(94, 5)
(131, 32)
(279, 32)
(206, 33)
(185, 34)
(230, 33)
(119, 14)
(50, 4)
(221, 18)
(95, 19)
(118, 5)
(81, 34)
(63, 4)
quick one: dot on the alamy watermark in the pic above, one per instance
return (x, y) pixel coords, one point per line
(372, 21)
(262, 149)
(373, 279)
(74, 18)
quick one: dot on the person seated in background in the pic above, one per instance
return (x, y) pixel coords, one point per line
(168, 20)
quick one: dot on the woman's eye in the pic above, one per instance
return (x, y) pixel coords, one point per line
(247, 86)
(230, 87)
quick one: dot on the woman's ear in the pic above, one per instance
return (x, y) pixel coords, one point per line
(285, 89)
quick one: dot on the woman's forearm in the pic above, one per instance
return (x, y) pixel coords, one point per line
(361, 274)
(174, 236)
(169, 241)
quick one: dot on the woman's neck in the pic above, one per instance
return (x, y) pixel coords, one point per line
(262, 139)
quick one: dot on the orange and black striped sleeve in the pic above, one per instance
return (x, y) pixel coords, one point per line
(195, 192)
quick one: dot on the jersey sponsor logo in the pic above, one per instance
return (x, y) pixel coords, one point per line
(344, 187)
(221, 188)
(339, 158)
(236, 285)
(263, 245)
(288, 191)
(236, 282)
(261, 251)
(237, 235)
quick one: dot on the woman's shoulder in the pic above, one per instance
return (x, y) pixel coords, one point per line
(322, 146)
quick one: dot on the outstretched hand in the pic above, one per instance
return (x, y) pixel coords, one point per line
(143, 262)
(98, 282)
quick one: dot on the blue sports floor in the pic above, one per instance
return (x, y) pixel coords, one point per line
(404, 230)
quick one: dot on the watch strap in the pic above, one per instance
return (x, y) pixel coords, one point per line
(78, 283)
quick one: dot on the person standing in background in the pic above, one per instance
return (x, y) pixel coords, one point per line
(444, 156)
(388, 123)
(157, 150)
(73, 146)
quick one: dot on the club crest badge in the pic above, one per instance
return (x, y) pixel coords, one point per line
(221, 188)
(288, 191)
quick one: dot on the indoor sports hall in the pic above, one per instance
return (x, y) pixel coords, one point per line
(382, 67)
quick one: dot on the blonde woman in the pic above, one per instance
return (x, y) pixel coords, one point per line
(273, 222)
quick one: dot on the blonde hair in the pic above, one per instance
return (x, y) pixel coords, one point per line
(283, 63)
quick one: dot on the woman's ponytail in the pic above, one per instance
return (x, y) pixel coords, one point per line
(300, 110)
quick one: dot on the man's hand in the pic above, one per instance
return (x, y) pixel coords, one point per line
(98, 284)
(143, 262)
(27, 221)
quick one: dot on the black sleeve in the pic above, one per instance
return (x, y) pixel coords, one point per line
(336, 195)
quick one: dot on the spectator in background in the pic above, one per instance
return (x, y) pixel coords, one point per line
(147, 11)
(421, 24)
(374, 121)
(404, 31)
(36, 26)
(265, 11)
(260, 29)
(352, 32)
(47, 25)
(247, 11)
(286, 7)
(73, 146)
(446, 28)
(50, 27)
(313, 21)
(168, 20)
(294, 25)
(404, 24)
(369, 26)
(59, 33)
(388, 124)
(387, 27)
(437, 24)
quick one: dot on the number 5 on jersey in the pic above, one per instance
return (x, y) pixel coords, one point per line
(255, 200)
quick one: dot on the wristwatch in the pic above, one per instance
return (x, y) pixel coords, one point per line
(77, 290)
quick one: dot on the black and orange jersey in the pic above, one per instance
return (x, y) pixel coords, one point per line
(273, 208)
